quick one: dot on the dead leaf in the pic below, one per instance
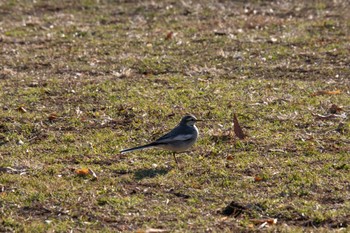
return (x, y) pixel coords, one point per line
(334, 109)
(270, 221)
(86, 172)
(169, 35)
(53, 116)
(237, 128)
(82, 171)
(323, 92)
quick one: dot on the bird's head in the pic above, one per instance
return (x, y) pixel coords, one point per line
(189, 120)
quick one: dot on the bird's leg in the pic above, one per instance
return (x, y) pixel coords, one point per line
(176, 159)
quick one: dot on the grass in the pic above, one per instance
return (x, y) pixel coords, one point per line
(82, 80)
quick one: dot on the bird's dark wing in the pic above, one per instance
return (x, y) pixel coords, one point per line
(176, 134)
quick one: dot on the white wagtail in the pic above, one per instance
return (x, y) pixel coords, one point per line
(179, 139)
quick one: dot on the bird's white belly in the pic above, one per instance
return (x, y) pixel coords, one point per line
(179, 147)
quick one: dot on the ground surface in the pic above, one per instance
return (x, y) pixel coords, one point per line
(80, 81)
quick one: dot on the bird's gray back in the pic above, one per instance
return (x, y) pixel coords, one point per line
(180, 130)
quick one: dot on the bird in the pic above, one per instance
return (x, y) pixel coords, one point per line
(179, 139)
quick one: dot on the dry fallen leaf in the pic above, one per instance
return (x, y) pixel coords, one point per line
(169, 35)
(82, 171)
(52, 116)
(336, 92)
(270, 221)
(237, 128)
(86, 172)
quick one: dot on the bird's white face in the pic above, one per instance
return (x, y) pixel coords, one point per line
(189, 120)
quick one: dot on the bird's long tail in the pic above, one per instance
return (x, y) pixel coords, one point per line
(138, 148)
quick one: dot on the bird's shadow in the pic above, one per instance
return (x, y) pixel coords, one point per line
(150, 173)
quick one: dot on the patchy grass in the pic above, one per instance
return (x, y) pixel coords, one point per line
(82, 80)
